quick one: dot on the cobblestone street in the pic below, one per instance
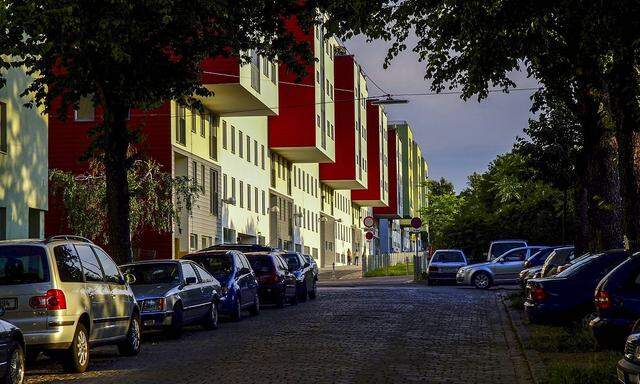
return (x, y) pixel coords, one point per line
(359, 334)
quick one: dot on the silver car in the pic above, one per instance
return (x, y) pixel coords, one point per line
(65, 294)
(444, 265)
(502, 270)
(174, 293)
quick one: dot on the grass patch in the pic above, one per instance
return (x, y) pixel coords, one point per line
(561, 339)
(516, 300)
(395, 270)
(594, 368)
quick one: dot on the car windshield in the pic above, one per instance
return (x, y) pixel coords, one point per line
(447, 257)
(153, 273)
(219, 265)
(541, 255)
(261, 264)
(292, 260)
(498, 249)
(23, 264)
(578, 265)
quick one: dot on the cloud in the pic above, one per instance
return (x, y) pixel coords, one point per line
(457, 137)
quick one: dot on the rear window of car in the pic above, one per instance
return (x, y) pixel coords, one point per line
(261, 263)
(292, 259)
(23, 264)
(220, 264)
(448, 257)
(153, 273)
(578, 266)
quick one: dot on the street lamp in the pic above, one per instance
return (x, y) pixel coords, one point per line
(388, 99)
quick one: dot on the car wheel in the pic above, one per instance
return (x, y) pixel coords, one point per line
(76, 358)
(177, 322)
(281, 299)
(314, 292)
(255, 308)
(131, 346)
(481, 280)
(237, 310)
(303, 294)
(211, 321)
(15, 366)
(294, 299)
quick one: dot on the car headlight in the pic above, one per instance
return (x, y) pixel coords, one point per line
(153, 305)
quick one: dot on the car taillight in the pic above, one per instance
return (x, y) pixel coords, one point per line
(602, 300)
(53, 300)
(433, 269)
(538, 293)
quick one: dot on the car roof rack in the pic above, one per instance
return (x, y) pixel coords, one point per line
(68, 238)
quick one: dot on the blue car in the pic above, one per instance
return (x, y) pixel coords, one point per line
(239, 284)
(617, 301)
(306, 279)
(538, 258)
(568, 296)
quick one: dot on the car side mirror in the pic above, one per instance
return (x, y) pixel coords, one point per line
(190, 280)
(129, 278)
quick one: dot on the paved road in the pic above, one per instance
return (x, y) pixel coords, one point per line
(352, 334)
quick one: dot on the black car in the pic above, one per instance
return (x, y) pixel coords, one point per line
(276, 284)
(568, 296)
(629, 366)
(617, 301)
(302, 270)
(12, 353)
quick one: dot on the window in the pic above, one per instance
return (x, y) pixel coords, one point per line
(273, 73)
(224, 186)
(248, 148)
(3, 223)
(23, 264)
(194, 177)
(262, 155)
(224, 134)
(90, 265)
(193, 120)
(69, 267)
(240, 146)
(256, 200)
(111, 272)
(213, 192)
(233, 139)
(193, 241)
(233, 188)
(264, 203)
(203, 127)
(202, 177)
(188, 271)
(86, 110)
(213, 138)
(34, 223)
(181, 125)
(249, 197)
(4, 130)
(255, 152)
(241, 190)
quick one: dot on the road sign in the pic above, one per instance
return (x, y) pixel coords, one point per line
(416, 222)
(368, 235)
(368, 222)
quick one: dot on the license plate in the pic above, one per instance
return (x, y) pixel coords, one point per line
(8, 304)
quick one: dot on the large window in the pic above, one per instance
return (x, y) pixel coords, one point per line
(194, 115)
(213, 192)
(240, 145)
(224, 134)
(213, 138)
(68, 263)
(86, 110)
(241, 190)
(34, 223)
(233, 139)
(90, 265)
(181, 125)
(111, 272)
(249, 197)
(249, 148)
(3, 127)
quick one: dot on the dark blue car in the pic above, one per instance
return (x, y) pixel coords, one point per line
(12, 353)
(617, 301)
(305, 277)
(538, 258)
(239, 285)
(568, 296)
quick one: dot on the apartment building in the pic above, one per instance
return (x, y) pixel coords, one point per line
(23, 162)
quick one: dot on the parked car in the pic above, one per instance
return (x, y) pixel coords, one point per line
(527, 274)
(12, 352)
(568, 296)
(174, 293)
(314, 265)
(305, 279)
(66, 294)
(560, 256)
(503, 270)
(533, 265)
(617, 301)
(629, 367)
(498, 247)
(444, 265)
(276, 284)
(239, 284)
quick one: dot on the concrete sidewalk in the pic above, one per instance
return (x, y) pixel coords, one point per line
(341, 272)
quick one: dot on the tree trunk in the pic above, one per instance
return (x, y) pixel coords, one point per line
(622, 87)
(116, 138)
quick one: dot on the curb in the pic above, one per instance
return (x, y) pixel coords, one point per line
(534, 362)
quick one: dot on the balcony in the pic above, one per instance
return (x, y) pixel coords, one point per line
(349, 170)
(379, 176)
(302, 129)
(250, 89)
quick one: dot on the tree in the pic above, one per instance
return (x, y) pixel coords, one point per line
(138, 54)
(156, 199)
(442, 209)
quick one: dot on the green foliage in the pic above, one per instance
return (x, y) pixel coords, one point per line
(574, 338)
(156, 199)
(599, 368)
(394, 270)
(442, 209)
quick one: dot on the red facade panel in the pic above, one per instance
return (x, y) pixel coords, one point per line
(391, 211)
(221, 70)
(372, 196)
(68, 141)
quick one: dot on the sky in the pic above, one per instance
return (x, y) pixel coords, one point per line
(457, 137)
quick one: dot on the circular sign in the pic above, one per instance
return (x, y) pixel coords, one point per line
(368, 221)
(416, 222)
(368, 235)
